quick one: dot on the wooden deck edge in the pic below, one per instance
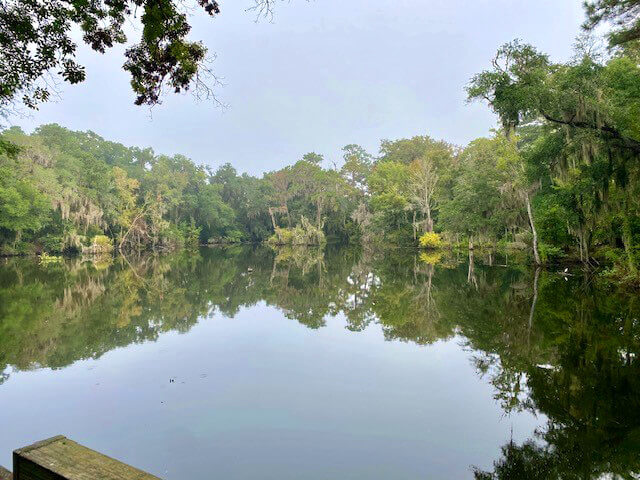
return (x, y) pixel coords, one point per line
(39, 444)
(61, 458)
(5, 474)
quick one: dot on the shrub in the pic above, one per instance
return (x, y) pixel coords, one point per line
(281, 236)
(103, 241)
(431, 240)
(99, 244)
(190, 235)
(303, 234)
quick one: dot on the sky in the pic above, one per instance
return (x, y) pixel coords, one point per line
(322, 74)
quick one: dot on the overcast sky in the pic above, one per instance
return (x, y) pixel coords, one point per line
(321, 75)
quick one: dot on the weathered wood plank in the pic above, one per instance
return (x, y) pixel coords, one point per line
(59, 458)
(5, 474)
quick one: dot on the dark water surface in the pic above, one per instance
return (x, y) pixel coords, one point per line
(245, 363)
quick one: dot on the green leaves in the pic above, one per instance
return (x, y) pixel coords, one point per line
(36, 40)
(623, 14)
(163, 54)
(514, 87)
(22, 207)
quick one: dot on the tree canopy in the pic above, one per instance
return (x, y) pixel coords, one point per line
(37, 46)
(623, 14)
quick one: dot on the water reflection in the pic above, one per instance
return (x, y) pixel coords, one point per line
(548, 345)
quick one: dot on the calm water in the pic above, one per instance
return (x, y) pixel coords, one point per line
(247, 363)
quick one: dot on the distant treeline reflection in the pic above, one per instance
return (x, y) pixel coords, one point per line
(548, 344)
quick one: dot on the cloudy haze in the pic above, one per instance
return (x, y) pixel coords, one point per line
(321, 75)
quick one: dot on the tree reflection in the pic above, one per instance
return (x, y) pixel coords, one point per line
(565, 349)
(583, 375)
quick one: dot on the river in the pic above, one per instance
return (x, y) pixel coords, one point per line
(245, 362)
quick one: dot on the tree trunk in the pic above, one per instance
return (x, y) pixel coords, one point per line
(319, 214)
(288, 214)
(536, 255)
(429, 220)
(133, 224)
(273, 220)
(471, 274)
(413, 225)
(17, 239)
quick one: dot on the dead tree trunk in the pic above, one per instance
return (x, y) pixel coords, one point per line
(429, 219)
(273, 220)
(414, 226)
(536, 255)
(471, 274)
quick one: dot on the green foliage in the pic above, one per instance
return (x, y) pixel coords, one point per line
(406, 150)
(563, 172)
(9, 149)
(303, 234)
(100, 244)
(52, 242)
(356, 168)
(102, 241)
(580, 139)
(550, 254)
(235, 236)
(191, 235)
(36, 38)
(513, 87)
(551, 219)
(23, 209)
(478, 205)
(282, 236)
(623, 14)
(389, 187)
(65, 188)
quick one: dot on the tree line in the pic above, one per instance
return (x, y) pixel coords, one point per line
(63, 189)
(558, 180)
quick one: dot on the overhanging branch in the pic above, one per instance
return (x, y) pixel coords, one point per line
(612, 132)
